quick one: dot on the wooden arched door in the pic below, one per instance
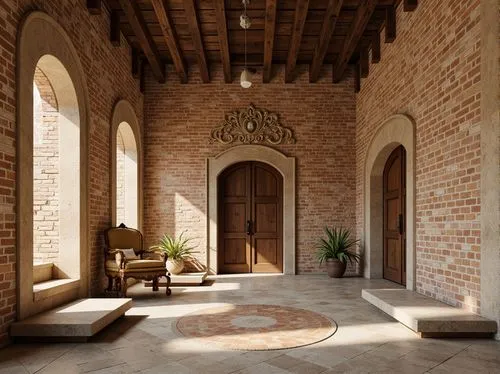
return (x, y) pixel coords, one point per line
(395, 216)
(250, 219)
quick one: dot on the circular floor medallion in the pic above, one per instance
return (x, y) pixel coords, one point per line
(256, 327)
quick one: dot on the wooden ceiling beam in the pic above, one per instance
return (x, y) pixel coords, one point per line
(329, 22)
(356, 30)
(298, 28)
(410, 5)
(136, 63)
(390, 24)
(114, 28)
(146, 42)
(376, 54)
(94, 6)
(220, 17)
(357, 77)
(170, 38)
(364, 63)
(194, 29)
(269, 29)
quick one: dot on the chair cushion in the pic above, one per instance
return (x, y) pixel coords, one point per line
(146, 265)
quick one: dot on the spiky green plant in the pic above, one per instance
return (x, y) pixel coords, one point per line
(336, 246)
(176, 248)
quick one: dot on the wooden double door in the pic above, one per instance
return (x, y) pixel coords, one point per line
(250, 219)
(394, 230)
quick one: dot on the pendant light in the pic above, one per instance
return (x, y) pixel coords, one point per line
(245, 23)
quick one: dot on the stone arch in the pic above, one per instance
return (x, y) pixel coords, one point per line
(42, 40)
(123, 112)
(285, 165)
(397, 130)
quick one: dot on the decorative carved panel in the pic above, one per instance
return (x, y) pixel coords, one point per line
(252, 126)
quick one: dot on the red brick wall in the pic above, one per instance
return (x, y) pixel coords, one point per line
(45, 172)
(108, 78)
(178, 122)
(432, 73)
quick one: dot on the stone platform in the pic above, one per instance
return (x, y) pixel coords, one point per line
(76, 321)
(428, 317)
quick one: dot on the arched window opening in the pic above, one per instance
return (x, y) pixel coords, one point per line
(127, 171)
(56, 172)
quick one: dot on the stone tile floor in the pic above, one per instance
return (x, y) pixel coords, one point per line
(367, 340)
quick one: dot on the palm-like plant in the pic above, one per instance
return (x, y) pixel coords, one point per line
(336, 246)
(175, 248)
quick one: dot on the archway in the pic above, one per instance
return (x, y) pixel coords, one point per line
(285, 165)
(397, 130)
(126, 166)
(44, 44)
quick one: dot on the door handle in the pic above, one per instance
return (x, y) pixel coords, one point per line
(249, 227)
(400, 224)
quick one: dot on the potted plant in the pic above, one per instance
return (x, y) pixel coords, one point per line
(177, 250)
(334, 250)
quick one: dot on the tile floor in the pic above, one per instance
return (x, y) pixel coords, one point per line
(367, 340)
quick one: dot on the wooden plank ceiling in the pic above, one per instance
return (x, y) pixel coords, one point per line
(283, 32)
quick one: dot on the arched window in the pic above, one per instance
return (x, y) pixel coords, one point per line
(52, 161)
(127, 170)
(126, 166)
(56, 169)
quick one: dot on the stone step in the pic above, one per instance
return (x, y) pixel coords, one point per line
(77, 320)
(429, 317)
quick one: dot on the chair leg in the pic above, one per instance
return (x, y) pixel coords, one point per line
(155, 284)
(169, 291)
(124, 287)
(110, 284)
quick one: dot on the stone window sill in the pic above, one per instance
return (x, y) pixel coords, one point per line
(44, 290)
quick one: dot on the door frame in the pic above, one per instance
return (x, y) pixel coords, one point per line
(283, 164)
(397, 130)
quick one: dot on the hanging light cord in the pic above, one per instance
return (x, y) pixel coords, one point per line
(245, 30)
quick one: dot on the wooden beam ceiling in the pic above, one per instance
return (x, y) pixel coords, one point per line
(269, 29)
(410, 5)
(170, 38)
(194, 28)
(358, 26)
(376, 54)
(220, 16)
(390, 24)
(114, 25)
(331, 15)
(94, 6)
(298, 29)
(136, 21)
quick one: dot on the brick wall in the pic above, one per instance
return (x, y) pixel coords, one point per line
(178, 122)
(108, 77)
(432, 73)
(45, 172)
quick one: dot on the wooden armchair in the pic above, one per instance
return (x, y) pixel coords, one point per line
(146, 264)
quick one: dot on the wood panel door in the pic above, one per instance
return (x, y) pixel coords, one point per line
(250, 219)
(395, 217)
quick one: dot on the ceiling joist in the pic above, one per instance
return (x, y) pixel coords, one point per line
(220, 16)
(356, 30)
(410, 5)
(194, 29)
(94, 6)
(329, 22)
(170, 38)
(297, 31)
(390, 24)
(114, 25)
(269, 29)
(148, 46)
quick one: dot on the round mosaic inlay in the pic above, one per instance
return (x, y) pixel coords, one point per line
(256, 327)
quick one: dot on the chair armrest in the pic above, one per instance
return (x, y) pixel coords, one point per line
(120, 258)
(156, 253)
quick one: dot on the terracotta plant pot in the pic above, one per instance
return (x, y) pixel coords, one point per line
(175, 266)
(335, 268)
